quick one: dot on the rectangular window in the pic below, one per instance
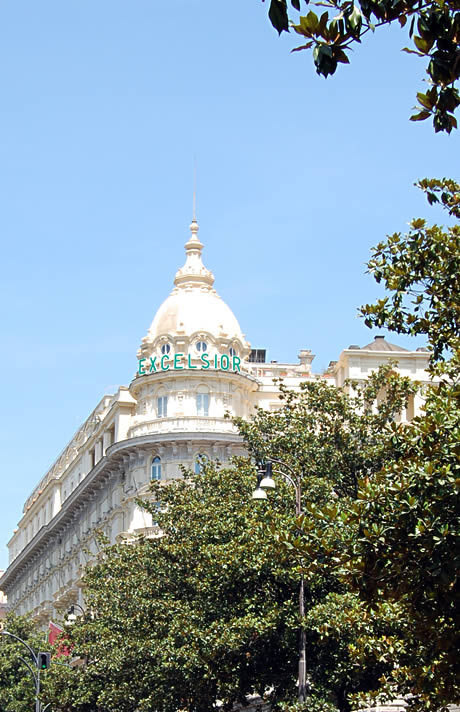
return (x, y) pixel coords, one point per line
(257, 356)
(162, 407)
(202, 404)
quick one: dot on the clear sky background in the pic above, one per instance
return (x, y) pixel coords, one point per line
(104, 105)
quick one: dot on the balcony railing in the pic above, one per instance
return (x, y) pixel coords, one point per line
(192, 424)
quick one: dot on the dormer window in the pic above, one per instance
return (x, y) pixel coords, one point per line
(232, 351)
(165, 349)
(201, 347)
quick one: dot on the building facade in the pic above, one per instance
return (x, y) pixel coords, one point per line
(194, 366)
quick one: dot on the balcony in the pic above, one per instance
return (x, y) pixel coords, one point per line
(65, 596)
(183, 424)
(43, 612)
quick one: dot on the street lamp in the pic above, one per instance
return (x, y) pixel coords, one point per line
(77, 660)
(259, 492)
(71, 617)
(266, 482)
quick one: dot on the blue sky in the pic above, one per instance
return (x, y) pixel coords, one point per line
(104, 106)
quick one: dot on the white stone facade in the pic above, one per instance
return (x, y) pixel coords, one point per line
(194, 366)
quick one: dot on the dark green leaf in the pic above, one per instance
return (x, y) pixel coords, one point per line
(279, 16)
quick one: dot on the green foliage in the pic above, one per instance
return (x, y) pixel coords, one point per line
(434, 29)
(332, 440)
(332, 437)
(421, 270)
(407, 551)
(205, 612)
(17, 686)
(396, 545)
(209, 610)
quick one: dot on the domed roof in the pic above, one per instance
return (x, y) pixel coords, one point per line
(194, 307)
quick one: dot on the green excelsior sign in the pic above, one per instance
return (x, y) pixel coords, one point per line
(176, 362)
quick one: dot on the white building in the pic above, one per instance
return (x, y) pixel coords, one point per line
(194, 365)
(3, 605)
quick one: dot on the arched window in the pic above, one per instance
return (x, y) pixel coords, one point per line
(201, 346)
(156, 469)
(165, 349)
(200, 460)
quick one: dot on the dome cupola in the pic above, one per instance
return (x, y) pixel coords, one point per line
(194, 317)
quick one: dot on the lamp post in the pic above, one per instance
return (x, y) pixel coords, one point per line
(35, 670)
(266, 482)
(77, 660)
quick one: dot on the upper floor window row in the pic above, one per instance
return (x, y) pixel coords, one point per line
(200, 346)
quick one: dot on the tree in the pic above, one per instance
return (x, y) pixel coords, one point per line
(422, 273)
(401, 554)
(436, 24)
(202, 613)
(407, 554)
(335, 440)
(17, 686)
(209, 610)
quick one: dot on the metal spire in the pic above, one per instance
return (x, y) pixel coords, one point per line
(194, 190)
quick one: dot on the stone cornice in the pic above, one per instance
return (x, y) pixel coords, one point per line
(113, 461)
(157, 438)
(242, 377)
(62, 519)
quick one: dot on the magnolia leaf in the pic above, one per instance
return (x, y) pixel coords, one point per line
(340, 56)
(424, 45)
(301, 30)
(305, 46)
(322, 23)
(426, 100)
(412, 51)
(310, 22)
(420, 116)
(279, 16)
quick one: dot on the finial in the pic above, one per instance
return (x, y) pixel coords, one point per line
(194, 227)
(194, 273)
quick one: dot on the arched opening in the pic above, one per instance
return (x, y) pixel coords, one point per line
(155, 472)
